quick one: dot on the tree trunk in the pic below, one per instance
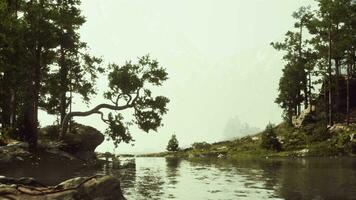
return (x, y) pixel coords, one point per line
(30, 121)
(330, 106)
(13, 104)
(301, 65)
(63, 73)
(29, 126)
(337, 76)
(6, 100)
(309, 87)
(348, 95)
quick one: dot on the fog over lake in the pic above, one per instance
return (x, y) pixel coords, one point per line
(217, 54)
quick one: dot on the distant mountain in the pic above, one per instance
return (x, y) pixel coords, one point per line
(236, 129)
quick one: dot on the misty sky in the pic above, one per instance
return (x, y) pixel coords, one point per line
(216, 52)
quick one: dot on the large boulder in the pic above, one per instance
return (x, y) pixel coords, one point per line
(83, 138)
(82, 188)
(17, 153)
(81, 141)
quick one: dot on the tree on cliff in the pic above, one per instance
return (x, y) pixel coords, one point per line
(295, 84)
(130, 89)
(41, 60)
(323, 47)
(173, 144)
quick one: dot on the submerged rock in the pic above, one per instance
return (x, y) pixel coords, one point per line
(81, 188)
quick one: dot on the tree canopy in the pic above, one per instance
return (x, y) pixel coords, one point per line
(44, 62)
(130, 88)
(318, 52)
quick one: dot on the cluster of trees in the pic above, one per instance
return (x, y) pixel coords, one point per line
(319, 51)
(43, 63)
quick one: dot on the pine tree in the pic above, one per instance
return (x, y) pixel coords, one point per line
(269, 139)
(77, 70)
(173, 144)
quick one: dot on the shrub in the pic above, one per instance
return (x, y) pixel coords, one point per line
(201, 145)
(294, 140)
(320, 133)
(269, 139)
(8, 134)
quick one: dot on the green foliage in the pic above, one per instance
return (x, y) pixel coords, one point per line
(77, 70)
(6, 134)
(117, 131)
(308, 60)
(173, 144)
(319, 133)
(201, 145)
(42, 59)
(49, 133)
(294, 141)
(132, 83)
(269, 139)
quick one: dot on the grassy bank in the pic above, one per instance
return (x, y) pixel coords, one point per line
(309, 141)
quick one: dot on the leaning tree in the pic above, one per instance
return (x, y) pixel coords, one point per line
(130, 88)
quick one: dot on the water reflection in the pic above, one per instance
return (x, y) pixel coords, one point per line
(170, 178)
(318, 179)
(172, 170)
(150, 184)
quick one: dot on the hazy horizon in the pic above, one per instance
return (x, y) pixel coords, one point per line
(217, 55)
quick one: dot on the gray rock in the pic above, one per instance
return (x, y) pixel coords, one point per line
(82, 188)
(20, 181)
(82, 141)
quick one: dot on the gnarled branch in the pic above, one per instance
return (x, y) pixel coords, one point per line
(95, 110)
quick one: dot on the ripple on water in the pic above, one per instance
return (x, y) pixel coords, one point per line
(161, 178)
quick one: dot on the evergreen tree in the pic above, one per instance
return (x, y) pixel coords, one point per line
(40, 43)
(331, 39)
(42, 59)
(330, 47)
(173, 144)
(77, 70)
(269, 139)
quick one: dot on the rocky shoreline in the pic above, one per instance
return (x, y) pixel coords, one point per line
(81, 188)
(75, 152)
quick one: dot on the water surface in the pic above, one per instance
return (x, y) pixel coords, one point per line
(170, 178)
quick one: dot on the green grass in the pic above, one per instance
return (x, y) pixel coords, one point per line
(313, 140)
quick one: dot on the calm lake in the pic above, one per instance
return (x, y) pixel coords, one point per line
(169, 178)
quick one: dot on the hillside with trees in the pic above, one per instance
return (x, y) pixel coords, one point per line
(317, 91)
(319, 57)
(44, 63)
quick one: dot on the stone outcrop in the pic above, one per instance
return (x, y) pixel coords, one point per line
(18, 153)
(77, 147)
(305, 116)
(81, 188)
(81, 141)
